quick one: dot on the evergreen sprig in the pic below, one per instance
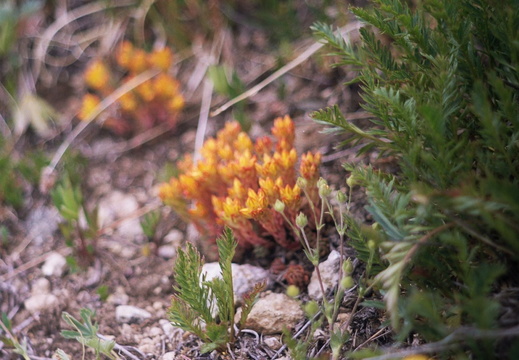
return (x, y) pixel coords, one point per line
(441, 82)
(206, 307)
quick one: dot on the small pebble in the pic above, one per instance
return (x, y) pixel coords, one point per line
(41, 302)
(155, 331)
(54, 265)
(167, 251)
(272, 342)
(169, 356)
(40, 286)
(130, 314)
(147, 346)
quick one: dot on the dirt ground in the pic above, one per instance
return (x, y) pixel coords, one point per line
(128, 170)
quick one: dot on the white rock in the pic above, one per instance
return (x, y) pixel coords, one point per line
(40, 286)
(174, 237)
(54, 265)
(126, 333)
(272, 342)
(118, 297)
(41, 302)
(130, 314)
(42, 222)
(147, 346)
(272, 313)
(173, 333)
(329, 274)
(244, 277)
(169, 356)
(167, 251)
(155, 332)
(157, 305)
(116, 206)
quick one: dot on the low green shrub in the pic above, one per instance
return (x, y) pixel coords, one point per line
(442, 84)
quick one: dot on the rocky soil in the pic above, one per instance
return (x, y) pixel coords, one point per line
(129, 284)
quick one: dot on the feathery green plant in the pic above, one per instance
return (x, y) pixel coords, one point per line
(86, 333)
(443, 88)
(206, 308)
(69, 201)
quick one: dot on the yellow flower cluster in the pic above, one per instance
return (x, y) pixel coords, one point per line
(237, 182)
(155, 101)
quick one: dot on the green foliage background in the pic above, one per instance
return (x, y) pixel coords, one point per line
(442, 84)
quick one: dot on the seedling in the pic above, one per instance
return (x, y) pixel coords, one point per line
(206, 308)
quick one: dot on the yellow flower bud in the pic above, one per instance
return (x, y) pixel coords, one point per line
(347, 282)
(347, 267)
(324, 190)
(321, 182)
(301, 182)
(375, 226)
(279, 206)
(352, 181)
(311, 308)
(341, 197)
(301, 220)
(292, 291)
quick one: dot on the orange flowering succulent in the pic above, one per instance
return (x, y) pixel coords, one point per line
(238, 181)
(155, 101)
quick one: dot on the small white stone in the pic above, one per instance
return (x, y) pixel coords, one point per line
(40, 286)
(174, 334)
(147, 346)
(169, 356)
(174, 237)
(158, 305)
(130, 314)
(245, 276)
(167, 251)
(126, 332)
(41, 302)
(155, 331)
(116, 206)
(54, 265)
(329, 274)
(272, 342)
(166, 327)
(118, 297)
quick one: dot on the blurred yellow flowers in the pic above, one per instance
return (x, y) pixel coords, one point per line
(155, 101)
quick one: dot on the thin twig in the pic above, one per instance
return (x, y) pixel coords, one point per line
(373, 337)
(143, 138)
(34, 262)
(283, 70)
(424, 239)
(483, 238)
(451, 341)
(134, 214)
(41, 46)
(207, 95)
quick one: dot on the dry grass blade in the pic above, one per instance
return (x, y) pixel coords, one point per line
(34, 262)
(283, 70)
(207, 94)
(42, 45)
